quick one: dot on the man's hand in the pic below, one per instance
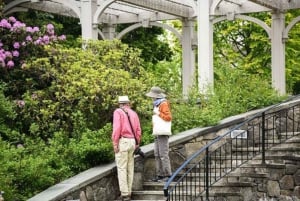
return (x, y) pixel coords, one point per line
(116, 149)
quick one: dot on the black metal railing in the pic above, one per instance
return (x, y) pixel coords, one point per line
(194, 178)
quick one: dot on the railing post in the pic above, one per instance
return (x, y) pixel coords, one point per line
(207, 173)
(263, 139)
(166, 193)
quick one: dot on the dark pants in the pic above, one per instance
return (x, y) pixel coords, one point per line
(161, 153)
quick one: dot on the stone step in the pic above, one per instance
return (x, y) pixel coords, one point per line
(148, 195)
(199, 179)
(286, 147)
(141, 200)
(234, 184)
(153, 195)
(233, 196)
(196, 186)
(238, 174)
(285, 135)
(249, 174)
(258, 164)
(282, 157)
(295, 139)
(291, 147)
(135, 197)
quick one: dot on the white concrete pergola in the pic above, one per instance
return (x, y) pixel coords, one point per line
(147, 13)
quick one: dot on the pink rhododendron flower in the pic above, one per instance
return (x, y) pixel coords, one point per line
(18, 27)
(12, 19)
(20, 103)
(19, 24)
(36, 29)
(17, 45)
(62, 37)
(28, 38)
(46, 39)
(15, 53)
(5, 24)
(10, 64)
(29, 29)
(8, 54)
(50, 32)
(12, 51)
(50, 27)
(2, 56)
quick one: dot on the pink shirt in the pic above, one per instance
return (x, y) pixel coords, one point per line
(121, 126)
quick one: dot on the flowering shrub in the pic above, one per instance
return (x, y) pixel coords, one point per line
(19, 41)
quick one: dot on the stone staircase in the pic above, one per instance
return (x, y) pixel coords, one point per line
(279, 177)
(253, 181)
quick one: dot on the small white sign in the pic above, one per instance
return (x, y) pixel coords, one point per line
(240, 134)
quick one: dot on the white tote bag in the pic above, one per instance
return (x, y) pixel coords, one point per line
(160, 126)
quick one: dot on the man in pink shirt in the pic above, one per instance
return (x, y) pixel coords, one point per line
(126, 136)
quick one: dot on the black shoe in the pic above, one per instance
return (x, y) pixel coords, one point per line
(156, 179)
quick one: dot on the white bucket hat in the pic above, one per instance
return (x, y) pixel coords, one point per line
(156, 92)
(124, 99)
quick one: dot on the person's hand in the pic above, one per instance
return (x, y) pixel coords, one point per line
(136, 146)
(116, 149)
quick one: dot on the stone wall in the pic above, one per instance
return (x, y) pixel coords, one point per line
(281, 184)
(100, 183)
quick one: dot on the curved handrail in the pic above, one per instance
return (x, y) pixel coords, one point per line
(205, 150)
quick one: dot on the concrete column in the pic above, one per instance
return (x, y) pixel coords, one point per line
(205, 46)
(278, 53)
(88, 9)
(188, 55)
(109, 31)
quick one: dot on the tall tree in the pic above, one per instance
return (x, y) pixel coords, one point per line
(147, 39)
(245, 45)
(293, 54)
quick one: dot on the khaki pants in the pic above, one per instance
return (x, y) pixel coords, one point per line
(125, 165)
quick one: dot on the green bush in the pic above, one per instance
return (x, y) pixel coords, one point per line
(92, 148)
(83, 88)
(62, 123)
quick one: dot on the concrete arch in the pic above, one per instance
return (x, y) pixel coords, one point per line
(194, 6)
(214, 5)
(137, 25)
(289, 27)
(16, 3)
(69, 5)
(100, 10)
(15, 10)
(251, 19)
(13, 4)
